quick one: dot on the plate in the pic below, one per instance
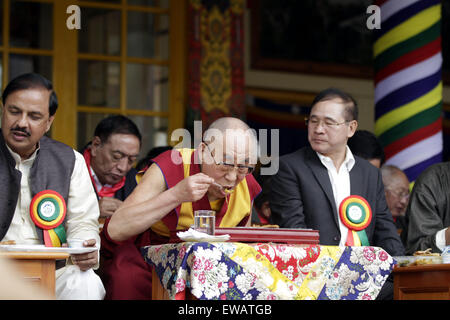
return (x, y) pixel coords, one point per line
(42, 248)
(408, 261)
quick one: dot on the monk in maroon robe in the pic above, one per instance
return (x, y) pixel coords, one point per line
(174, 186)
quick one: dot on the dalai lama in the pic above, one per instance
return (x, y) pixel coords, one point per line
(216, 175)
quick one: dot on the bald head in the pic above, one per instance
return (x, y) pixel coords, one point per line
(391, 174)
(396, 186)
(228, 123)
(229, 133)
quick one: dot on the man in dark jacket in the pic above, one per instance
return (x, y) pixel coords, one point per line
(312, 182)
(325, 187)
(428, 212)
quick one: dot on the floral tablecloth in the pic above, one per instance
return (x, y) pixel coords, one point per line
(238, 271)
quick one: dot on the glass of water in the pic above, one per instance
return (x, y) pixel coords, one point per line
(205, 221)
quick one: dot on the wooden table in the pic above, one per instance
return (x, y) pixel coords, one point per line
(158, 291)
(37, 267)
(424, 282)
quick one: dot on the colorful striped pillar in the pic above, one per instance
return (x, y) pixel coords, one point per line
(408, 84)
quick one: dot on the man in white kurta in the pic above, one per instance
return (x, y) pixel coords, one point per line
(29, 105)
(82, 209)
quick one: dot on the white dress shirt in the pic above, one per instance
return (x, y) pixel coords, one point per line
(440, 239)
(340, 182)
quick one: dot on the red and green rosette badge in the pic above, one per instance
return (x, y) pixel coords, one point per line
(48, 210)
(355, 214)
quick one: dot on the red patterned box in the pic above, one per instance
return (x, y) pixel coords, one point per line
(277, 235)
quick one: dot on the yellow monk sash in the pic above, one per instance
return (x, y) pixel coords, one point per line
(238, 207)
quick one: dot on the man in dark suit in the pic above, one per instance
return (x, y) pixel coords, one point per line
(312, 182)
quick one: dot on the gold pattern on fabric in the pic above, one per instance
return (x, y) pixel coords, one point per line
(314, 282)
(258, 264)
(237, 6)
(215, 69)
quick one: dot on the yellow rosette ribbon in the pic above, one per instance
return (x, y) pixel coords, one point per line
(48, 210)
(356, 214)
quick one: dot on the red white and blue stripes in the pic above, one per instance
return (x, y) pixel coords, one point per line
(408, 83)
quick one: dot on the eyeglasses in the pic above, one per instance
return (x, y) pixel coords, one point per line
(328, 123)
(227, 167)
(399, 194)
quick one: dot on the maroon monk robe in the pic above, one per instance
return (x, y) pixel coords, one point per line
(125, 274)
